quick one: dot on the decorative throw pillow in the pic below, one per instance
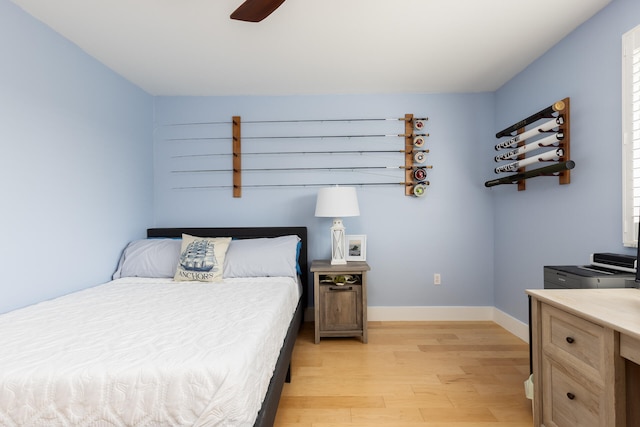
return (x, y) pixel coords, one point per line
(201, 258)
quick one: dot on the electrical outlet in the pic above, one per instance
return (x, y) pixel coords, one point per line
(436, 279)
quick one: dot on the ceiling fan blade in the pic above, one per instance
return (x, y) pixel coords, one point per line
(255, 10)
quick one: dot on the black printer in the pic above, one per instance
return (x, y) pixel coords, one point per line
(606, 270)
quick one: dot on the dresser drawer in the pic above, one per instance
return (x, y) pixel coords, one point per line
(568, 401)
(574, 340)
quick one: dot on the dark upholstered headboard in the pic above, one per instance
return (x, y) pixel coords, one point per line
(247, 233)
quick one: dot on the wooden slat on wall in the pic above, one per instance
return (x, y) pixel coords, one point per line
(237, 158)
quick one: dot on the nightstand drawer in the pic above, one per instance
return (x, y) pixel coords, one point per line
(574, 340)
(340, 307)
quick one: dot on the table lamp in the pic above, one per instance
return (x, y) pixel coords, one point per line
(337, 202)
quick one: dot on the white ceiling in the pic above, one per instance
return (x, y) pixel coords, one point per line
(191, 47)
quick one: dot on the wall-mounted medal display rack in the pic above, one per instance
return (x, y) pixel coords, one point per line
(296, 153)
(543, 137)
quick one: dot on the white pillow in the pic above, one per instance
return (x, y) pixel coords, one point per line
(264, 257)
(201, 258)
(149, 258)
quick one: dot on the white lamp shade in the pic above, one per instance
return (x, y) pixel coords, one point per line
(337, 202)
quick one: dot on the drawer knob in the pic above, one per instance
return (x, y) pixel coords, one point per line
(571, 396)
(570, 340)
(340, 288)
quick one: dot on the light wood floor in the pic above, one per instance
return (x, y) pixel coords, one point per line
(436, 374)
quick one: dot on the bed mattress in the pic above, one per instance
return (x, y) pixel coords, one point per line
(145, 352)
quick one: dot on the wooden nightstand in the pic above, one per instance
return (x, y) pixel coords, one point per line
(340, 310)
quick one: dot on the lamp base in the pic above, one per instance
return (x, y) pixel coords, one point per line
(338, 244)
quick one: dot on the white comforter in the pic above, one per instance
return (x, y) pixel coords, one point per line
(145, 352)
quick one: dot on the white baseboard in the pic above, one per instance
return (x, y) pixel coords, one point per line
(432, 313)
(511, 324)
(437, 313)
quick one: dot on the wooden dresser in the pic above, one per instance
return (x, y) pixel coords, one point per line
(586, 351)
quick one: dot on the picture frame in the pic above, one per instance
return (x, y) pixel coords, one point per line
(357, 247)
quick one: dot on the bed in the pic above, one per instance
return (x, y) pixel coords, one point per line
(153, 351)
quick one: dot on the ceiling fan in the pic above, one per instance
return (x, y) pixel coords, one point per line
(255, 10)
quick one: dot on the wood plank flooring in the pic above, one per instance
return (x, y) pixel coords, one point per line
(435, 374)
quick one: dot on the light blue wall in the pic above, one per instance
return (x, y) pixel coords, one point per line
(75, 170)
(449, 231)
(549, 224)
(76, 178)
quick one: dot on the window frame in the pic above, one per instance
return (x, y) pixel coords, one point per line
(630, 136)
